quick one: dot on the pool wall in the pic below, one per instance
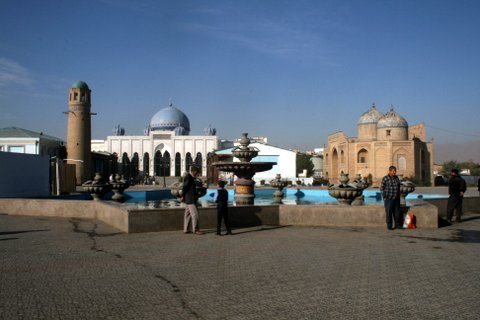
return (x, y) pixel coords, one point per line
(131, 220)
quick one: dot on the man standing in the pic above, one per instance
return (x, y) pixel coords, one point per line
(391, 196)
(479, 186)
(221, 199)
(456, 189)
(190, 196)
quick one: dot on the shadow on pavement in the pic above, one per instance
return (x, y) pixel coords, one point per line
(22, 231)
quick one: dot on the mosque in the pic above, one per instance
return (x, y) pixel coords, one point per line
(165, 149)
(383, 140)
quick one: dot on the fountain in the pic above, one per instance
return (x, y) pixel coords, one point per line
(97, 188)
(176, 188)
(244, 170)
(118, 186)
(279, 184)
(406, 187)
(345, 192)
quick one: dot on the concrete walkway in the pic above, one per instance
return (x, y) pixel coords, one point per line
(54, 268)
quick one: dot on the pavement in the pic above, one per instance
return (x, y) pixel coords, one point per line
(56, 268)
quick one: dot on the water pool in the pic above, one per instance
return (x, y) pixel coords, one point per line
(163, 198)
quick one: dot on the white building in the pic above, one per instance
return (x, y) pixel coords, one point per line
(20, 140)
(286, 161)
(165, 149)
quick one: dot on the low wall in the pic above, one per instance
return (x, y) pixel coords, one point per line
(470, 204)
(101, 210)
(352, 216)
(132, 220)
(152, 220)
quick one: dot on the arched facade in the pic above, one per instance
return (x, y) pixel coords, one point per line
(383, 140)
(165, 149)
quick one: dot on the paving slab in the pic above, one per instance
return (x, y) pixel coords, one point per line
(57, 268)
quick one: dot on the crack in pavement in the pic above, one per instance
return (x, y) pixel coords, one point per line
(92, 234)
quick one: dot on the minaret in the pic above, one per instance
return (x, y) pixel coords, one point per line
(79, 131)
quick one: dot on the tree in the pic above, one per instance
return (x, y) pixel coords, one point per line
(304, 161)
(448, 166)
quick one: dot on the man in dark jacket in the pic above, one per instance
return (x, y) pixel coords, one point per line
(221, 199)
(456, 189)
(190, 197)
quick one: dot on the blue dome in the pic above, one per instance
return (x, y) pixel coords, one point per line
(168, 119)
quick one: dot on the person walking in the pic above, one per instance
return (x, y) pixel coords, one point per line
(390, 188)
(456, 190)
(190, 197)
(221, 199)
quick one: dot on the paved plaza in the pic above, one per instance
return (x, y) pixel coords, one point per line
(56, 268)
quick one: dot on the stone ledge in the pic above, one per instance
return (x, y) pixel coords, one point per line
(132, 220)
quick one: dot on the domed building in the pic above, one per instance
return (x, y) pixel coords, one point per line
(384, 139)
(166, 148)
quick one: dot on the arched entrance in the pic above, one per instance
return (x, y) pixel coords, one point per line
(178, 165)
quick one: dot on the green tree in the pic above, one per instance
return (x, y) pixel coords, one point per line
(448, 166)
(472, 166)
(304, 161)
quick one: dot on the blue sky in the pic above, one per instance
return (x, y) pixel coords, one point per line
(294, 71)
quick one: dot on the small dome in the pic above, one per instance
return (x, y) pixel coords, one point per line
(180, 131)
(210, 131)
(392, 119)
(371, 116)
(168, 119)
(80, 85)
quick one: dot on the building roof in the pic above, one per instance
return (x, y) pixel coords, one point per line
(392, 119)
(80, 85)
(14, 132)
(371, 116)
(169, 119)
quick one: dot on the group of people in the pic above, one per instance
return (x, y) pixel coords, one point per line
(190, 197)
(390, 188)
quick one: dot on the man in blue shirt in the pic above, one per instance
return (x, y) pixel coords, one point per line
(391, 196)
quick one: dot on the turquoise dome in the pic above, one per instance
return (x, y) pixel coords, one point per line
(169, 119)
(80, 85)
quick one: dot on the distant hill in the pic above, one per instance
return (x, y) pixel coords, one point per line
(461, 152)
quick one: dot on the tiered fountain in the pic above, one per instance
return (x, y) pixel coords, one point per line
(244, 170)
(279, 184)
(346, 192)
(97, 187)
(406, 187)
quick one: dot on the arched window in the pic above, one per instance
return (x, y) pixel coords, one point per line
(146, 164)
(134, 166)
(362, 156)
(335, 167)
(198, 163)
(157, 160)
(188, 161)
(402, 163)
(125, 166)
(166, 164)
(178, 165)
